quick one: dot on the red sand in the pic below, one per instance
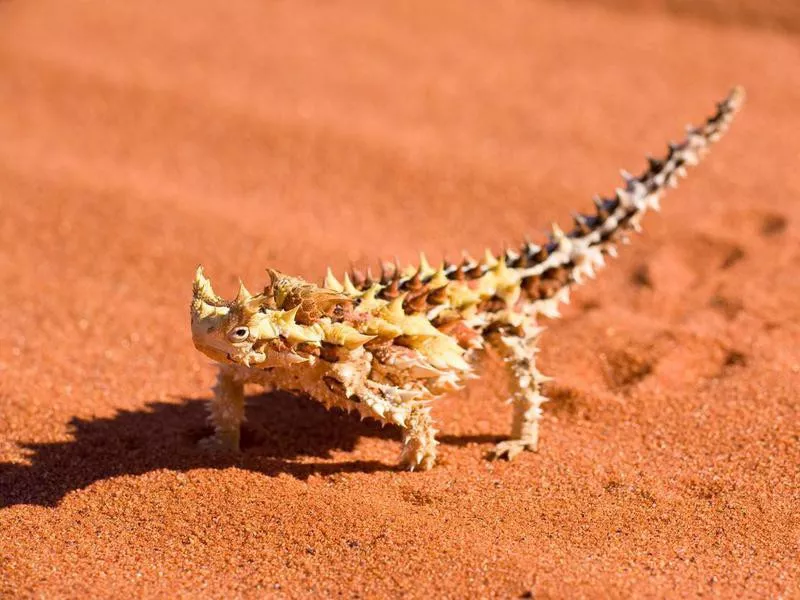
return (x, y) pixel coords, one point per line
(138, 140)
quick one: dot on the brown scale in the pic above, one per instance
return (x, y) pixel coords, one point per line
(446, 316)
(581, 226)
(459, 331)
(316, 306)
(416, 302)
(438, 296)
(493, 304)
(603, 210)
(541, 255)
(458, 274)
(332, 352)
(313, 302)
(267, 301)
(545, 285)
(654, 167)
(415, 283)
(532, 287)
(475, 272)
(539, 287)
(358, 278)
(550, 288)
(554, 279)
(420, 298)
(503, 328)
(560, 274)
(279, 344)
(391, 289)
(308, 348)
(521, 262)
(379, 343)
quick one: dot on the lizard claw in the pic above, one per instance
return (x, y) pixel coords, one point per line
(416, 458)
(510, 449)
(219, 444)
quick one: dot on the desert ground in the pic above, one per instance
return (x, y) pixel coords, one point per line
(139, 139)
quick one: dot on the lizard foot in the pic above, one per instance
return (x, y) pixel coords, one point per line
(415, 457)
(220, 444)
(509, 449)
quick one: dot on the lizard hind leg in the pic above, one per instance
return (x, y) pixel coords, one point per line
(518, 349)
(419, 441)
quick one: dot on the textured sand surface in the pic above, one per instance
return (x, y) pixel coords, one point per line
(138, 139)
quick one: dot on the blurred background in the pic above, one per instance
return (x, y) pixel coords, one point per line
(138, 139)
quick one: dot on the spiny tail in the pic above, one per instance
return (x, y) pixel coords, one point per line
(548, 271)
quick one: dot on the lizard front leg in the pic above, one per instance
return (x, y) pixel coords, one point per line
(388, 405)
(226, 413)
(407, 407)
(517, 346)
(414, 419)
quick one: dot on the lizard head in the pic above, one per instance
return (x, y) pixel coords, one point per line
(221, 330)
(285, 324)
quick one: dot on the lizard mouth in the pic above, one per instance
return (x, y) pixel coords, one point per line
(214, 353)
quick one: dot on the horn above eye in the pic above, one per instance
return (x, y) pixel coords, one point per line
(244, 295)
(202, 289)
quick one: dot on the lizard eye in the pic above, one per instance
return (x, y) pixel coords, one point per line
(239, 334)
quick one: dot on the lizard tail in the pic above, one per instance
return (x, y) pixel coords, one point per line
(548, 271)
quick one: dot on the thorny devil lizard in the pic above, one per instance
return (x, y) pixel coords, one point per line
(386, 348)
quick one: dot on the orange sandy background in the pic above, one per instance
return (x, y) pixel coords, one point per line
(138, 139)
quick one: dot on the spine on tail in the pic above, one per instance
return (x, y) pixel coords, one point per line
(542, 275)
(549, 270)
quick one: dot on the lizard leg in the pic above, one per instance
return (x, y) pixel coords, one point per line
(388, 405)
(226, 413)
(419, 441)
(518, 349)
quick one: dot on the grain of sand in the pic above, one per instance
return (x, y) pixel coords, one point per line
(139, 139)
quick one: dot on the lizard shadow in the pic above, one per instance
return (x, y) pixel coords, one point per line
(163, 435)
(281, 428)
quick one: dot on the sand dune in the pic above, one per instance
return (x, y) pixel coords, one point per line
(139, 139)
